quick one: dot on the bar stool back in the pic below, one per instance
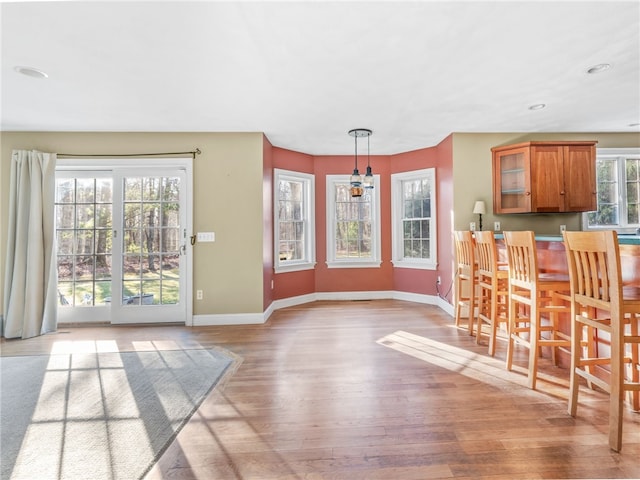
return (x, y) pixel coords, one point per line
(493, 285)
(466, 276)
(600, 303)
(534, 296)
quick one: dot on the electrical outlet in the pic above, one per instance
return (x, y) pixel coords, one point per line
(199, 295)
(496, 226)
(563, 228)
(472, 226)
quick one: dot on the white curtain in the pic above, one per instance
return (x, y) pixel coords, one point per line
(30, 286)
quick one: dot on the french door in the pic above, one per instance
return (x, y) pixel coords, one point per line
(122, 249)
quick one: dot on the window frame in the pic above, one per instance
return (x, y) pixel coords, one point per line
(375, 260)
(620, 154)
(397, 217)
(308, 183)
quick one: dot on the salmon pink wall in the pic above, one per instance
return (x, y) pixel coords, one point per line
(352, 279)
(385, 278)
(292, 284)
(439, 157)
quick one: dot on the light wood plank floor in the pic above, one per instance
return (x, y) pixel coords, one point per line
(370, 390)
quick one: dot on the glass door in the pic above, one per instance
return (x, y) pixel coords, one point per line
(122, 246)
(150, 245)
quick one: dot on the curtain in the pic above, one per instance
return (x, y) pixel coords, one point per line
(30, 286)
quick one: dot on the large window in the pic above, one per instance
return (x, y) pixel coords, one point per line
(353, 225)
(413, 208)
(618, 187)
(294, 221)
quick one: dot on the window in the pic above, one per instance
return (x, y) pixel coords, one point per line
(618, 187)
(353, 225)
(294, 221)
(413, 208)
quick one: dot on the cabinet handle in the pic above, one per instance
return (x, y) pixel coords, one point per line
(527, 193)
(562, 193)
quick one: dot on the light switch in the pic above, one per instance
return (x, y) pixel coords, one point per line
(206, 237)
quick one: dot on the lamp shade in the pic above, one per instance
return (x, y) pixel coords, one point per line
(480, 208)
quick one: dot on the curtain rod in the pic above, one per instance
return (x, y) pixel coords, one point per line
(164, 154)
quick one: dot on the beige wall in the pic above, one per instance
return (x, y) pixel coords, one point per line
(472, 177)
(227, 199)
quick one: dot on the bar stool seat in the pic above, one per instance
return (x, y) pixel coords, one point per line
(599, 304)
(493, 285)
(534, 297)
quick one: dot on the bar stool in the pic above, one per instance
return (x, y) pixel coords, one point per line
(466, 276)
(600, 303)
(493, 285)
(531, 295)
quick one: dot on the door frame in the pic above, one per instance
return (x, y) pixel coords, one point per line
(88, 164)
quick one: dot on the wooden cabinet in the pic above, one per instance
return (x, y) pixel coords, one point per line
(544, 177)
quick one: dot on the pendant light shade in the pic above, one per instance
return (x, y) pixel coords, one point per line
(358, 184)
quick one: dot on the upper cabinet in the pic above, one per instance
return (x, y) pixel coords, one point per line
(544, 177)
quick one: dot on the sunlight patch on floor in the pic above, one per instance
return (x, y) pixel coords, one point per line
(483, 368)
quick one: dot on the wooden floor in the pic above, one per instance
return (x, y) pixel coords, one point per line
(371, 390)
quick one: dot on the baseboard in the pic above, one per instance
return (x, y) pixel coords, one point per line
(259, 318)
(228, 319)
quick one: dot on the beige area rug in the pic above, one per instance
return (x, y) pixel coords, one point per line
(99, 415)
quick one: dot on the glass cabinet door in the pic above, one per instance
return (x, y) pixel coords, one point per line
(513, 193)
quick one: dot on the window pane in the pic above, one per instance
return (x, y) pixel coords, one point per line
(65, 216)
(131, 267)
(103, 267)
(103, 216)
(84, 242)
(416, 212)
(171, 189)
(65, 268)
(65, 242)
(132, 189)
(85, 190)
(84, 268)
(65, 190)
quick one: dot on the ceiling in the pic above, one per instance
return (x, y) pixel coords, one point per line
(305, 73)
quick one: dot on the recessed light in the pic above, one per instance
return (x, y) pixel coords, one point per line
(538, 106)
(31, 72)
(601, 67)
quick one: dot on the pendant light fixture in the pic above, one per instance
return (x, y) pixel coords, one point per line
(358, 184)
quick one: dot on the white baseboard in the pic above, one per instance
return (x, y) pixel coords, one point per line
(259, 318)
(210, 320)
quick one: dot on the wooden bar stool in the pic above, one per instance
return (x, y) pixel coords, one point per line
(466, 276)
(534, 297)
(493, 285)
(600, 303)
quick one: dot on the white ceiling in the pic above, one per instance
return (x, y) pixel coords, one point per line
(305, 73)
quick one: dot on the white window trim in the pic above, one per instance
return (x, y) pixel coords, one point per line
(376, 260)
(615, 153)
(308, 181)
(397, 242)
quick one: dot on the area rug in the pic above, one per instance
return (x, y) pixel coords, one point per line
(100, 415)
